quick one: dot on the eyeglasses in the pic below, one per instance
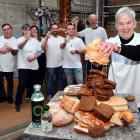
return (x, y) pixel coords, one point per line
(7, 29)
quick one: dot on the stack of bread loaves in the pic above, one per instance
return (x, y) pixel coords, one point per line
(95, 110)
(94, 117)
(101, 86)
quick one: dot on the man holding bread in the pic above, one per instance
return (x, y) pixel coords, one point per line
(90, 34)
(123, 71)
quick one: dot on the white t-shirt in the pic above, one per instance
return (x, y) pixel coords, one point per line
(31, 47)
(7, 60)
(72, 60)
(54, 52)
(90, 34)
(125, 72)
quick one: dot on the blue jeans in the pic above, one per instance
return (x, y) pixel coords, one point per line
(58, 73)
(74, 74)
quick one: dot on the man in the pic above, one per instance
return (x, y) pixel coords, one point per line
(123, 71)
(27, 64)
(91, 33)
(54, 54)
(72, 48)
(8, 51)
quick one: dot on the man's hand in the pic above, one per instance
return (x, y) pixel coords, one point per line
(4, 50)
(48, 34)
(106, 48)
(31, 57)
(73, 52)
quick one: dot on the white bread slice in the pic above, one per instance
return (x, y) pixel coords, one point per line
(116, 119)
(81, 129)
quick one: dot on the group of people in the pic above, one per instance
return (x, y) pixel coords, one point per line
(58, 56)
(23, 54)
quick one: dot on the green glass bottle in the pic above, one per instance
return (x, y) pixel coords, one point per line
(37, 101)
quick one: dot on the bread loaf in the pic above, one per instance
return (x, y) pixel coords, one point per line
(117, 102)
(96, 131)
(59, 116)
(87, 103)
(69, 103)
(103, 112)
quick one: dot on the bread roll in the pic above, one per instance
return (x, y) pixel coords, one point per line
(59, 116)
(130, 98)
(127, 116)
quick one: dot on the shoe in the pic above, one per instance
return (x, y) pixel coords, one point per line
(10, 100)
(17, 108)
(3, 99)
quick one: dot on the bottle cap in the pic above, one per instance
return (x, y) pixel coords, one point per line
(46, 107)
(37, 86)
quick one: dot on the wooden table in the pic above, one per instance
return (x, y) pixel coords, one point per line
(131, 132)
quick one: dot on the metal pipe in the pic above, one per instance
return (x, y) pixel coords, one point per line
(64, 10)
(117, 6)
(97, 7)
(40, 21)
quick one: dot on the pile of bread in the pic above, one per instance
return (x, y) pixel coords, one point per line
(90, 115)
(101, 87)
(93, 54)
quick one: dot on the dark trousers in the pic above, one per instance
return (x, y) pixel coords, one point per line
(9, 78)
(52, 73)
(42, 68)
(26, 78)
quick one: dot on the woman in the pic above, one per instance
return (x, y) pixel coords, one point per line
(28, 47)
(35, 33)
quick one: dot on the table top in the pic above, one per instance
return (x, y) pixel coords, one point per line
(130, 132)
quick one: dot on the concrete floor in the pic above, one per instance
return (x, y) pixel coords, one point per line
(12, 123)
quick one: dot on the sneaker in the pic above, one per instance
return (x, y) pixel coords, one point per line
(17, 108)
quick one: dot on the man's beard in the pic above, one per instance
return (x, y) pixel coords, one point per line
(55, 33)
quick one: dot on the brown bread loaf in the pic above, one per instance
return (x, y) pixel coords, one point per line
(111, 83)
(87, 103)
(94, 71)
(103, 112)
(97, 131)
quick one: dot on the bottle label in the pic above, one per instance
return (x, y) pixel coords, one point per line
(46, 126)
(37, 110)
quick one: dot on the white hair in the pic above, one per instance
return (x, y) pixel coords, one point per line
(125, 10)
(92, 16)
